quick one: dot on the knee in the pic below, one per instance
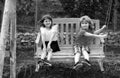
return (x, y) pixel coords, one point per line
(50, 51)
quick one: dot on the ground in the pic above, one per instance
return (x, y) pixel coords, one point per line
(26, 69)
(64, 70)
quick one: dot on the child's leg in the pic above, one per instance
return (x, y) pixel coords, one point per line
(77, 51)
(43, 55)
(77, 54)
(77, 57)
(49, 55)
(85, 53)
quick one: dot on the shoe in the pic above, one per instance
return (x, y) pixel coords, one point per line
(77, 65)
(39, 64)
(86, 62)
(40, 61)
(47, 62)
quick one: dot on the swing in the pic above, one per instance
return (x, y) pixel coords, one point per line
(67, 30)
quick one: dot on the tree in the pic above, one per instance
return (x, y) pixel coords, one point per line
(9, 13)
(26, 12)
(93, 8)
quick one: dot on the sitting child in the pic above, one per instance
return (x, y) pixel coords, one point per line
(84, 38)
(49, 36)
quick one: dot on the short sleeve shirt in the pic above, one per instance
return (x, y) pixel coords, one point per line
(83, 40)
(48, 32)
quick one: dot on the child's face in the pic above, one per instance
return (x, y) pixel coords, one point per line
(84, 25)
(47, 23)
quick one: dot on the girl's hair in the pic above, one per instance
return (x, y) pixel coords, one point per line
(46, 17)
(87, 19)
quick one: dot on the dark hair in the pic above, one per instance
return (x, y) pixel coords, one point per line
(46, 17)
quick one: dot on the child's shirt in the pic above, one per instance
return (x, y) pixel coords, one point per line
(48, 32)
(83, 40)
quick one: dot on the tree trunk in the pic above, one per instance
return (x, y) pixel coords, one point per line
(9, 10)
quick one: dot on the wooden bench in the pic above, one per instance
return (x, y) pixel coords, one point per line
(67, 31)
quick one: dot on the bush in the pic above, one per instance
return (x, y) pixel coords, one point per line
(112, 42)
(113, 39)
(26, 41)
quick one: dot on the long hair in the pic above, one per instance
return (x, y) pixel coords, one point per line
(87, 19)
(46, 17)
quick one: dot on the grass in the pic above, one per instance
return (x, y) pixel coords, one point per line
(64, 70)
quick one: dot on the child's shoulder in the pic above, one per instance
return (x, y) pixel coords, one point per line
(55, 26)
(42, 28)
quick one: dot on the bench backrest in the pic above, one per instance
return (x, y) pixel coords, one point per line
(68, 28)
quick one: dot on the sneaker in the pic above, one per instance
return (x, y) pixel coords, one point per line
(87, 62)
(40, 61)
(47, 62)
(77, 65)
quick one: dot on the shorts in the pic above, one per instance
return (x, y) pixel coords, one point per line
(78, 49)
(54, 46)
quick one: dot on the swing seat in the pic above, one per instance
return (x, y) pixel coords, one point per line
(67, 30)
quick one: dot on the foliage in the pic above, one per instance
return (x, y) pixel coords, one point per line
(76, 8)
(113, 39)
(26, 41)
(25, 12)
(112, 44)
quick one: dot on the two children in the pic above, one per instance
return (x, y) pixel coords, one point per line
(49, 37)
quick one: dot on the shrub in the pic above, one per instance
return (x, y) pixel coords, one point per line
(112, 42)
(26, 41)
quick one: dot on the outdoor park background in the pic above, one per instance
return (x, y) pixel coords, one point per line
(96, 9)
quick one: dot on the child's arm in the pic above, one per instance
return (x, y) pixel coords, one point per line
(43, 38)
(100, 30)
(43, 41)
(95, 35)
(38, 38)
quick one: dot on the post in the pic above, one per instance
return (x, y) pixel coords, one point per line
(4, 33)
(9, 10)
(13, 39)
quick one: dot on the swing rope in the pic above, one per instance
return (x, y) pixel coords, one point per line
(108, 13)
(108, 18)
(36, 9)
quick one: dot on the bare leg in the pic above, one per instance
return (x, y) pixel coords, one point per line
(85, 54)
(77, 54)
(77, 57)
(49, 55)
(43, 55)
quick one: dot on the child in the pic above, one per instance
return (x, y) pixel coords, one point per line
(49, 36)
(84, 38)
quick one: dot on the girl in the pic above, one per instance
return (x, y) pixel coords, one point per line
(84, 38)
(49, 36)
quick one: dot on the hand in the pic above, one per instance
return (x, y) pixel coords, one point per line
(104, 26)
(103, 35)
(44, 49)
(102, 40)
(36, 41)
(49, 48)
